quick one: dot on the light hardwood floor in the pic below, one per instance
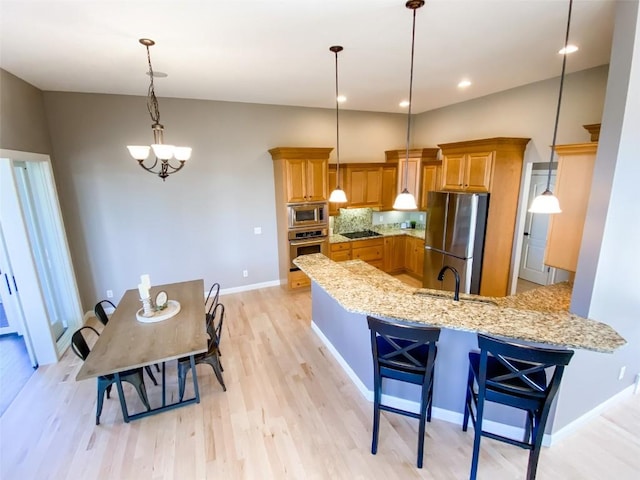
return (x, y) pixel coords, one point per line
(289, 412)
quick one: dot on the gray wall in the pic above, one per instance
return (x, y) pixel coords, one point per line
(527, 111)
(606, 283)
(23, 125)
(123, 221)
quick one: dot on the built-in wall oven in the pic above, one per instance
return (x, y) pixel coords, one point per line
(302, 215)
(305, 241)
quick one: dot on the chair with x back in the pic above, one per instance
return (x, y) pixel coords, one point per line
(520, 376)
(134, 376)
(406, 353)
(104, 319)
(211, 356)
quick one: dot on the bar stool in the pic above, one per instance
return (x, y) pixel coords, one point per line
(514, 375)
(406, 353)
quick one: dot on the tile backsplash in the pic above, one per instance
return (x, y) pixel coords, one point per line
(358, 219)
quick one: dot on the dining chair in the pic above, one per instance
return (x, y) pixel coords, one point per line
(406, 353)
(215, 290)
(211, 356)
(520, 376)
(101, 315)
(134, 376)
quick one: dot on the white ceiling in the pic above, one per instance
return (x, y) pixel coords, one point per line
(277, 51)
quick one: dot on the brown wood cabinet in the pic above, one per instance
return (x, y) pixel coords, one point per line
(431, 174)
(369, 250)
(339, 252)
(304, 172)
(300, 175)
(572, 187)
(389, 186)
(414, 256)
(413, 167)
(467, 172)
(394, 248)
(364, 184)
(493, 164)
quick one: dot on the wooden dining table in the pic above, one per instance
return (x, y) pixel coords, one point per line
(126, 343)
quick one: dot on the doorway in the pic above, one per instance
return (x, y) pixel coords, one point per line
(534, 241)
(41, 299)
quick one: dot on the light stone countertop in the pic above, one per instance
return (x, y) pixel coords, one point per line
(384, 232)
(539, 316)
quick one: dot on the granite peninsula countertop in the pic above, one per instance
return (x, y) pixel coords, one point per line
(539, 316)
(384, 232)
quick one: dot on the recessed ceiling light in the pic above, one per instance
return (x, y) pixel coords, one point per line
(464, 83)
(568, 50)
(341, 98)
(404, 103)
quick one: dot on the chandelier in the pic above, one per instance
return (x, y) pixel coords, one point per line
(163, 153)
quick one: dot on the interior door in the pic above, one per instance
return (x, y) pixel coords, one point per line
(37, 249)
(11, 302)
(532, 267)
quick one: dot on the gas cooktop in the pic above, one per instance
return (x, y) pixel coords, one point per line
(362, 234)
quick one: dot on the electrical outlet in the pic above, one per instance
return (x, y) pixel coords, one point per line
(257, 230)
(421, 217)
(381, 218)
(245, 273)
(621, 374)
(109, 293)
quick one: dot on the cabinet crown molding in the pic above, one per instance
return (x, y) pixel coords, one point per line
(494, 143)
(429, 154)
(292, 153)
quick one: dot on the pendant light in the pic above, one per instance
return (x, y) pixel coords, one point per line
(547, 202)
(406, 201)
(338, 195)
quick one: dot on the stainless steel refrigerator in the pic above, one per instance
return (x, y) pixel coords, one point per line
(454, 236)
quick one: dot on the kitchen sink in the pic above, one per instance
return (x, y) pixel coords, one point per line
(449, 296)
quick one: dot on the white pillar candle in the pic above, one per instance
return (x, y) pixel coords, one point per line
(145, 280)
(143, 291)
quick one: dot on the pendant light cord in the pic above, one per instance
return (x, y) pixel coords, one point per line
(337, 127)
(406, 158)
(555, 127)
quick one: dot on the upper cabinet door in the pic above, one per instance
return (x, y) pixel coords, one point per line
(364, 185)
(389, 187)
(317, 175)
(478, 171)
(430, 183)
(296, 180)
(453, 170)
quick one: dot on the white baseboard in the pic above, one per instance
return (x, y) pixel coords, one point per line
(246, 288)
(578, 422)
(456, 417)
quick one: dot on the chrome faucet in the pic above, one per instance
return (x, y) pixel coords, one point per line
(456, 294)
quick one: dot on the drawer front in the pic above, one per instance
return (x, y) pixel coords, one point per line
(368, 253)
(340, 247)
(379, 264)
(341, 256)
(373, 242)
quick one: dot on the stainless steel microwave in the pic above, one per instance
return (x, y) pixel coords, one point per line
(307, 214)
